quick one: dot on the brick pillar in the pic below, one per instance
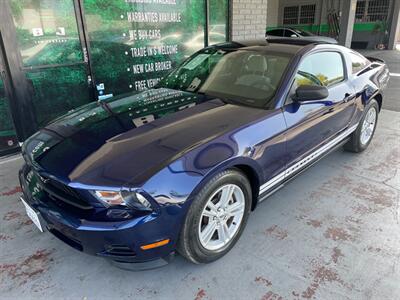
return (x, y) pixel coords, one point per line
(249, 19)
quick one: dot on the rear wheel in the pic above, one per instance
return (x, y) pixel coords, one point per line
(361, 138)
(216, 217)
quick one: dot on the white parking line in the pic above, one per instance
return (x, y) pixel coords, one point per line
(10, 159)
(395, 74)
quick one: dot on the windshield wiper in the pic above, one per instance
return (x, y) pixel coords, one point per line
(229, 100)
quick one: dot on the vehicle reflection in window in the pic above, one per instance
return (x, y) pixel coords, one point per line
(45, 30)
(53, 54)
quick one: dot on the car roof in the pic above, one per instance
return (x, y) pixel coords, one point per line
(285, 46)
(260, 45)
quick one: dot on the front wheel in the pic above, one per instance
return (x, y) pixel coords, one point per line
(216, 217)
(361, 138)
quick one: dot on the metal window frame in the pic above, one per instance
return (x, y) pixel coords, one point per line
(207, 22)
(298, 7)
(309, 17)
(299, 4)
(364, 11)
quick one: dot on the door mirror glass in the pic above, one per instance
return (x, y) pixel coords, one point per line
(305, 93)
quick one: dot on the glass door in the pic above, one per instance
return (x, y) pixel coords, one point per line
(65, 53)
(8, 139)
(218, 21)
(133, 44)
(54, 60)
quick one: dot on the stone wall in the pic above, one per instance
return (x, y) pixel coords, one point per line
(249, 19)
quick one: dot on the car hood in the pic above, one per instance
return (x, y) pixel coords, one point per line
(129, 139)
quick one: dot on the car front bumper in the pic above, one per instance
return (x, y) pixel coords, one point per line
(118, 241)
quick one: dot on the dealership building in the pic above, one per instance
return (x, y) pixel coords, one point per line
(58, 55)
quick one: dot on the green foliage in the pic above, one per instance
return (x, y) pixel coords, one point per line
(380, 26)
(16, 8)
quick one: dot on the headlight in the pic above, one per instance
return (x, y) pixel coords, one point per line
(124, 198)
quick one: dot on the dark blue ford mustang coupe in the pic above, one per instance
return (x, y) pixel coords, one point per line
(180, 167)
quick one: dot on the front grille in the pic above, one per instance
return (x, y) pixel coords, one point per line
(62, 187)
(73, 243)
(62, 194)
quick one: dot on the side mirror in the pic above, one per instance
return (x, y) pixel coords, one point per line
(294, 35)
(308, 93)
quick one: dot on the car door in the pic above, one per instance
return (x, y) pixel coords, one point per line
(312, 124)
(275, 33)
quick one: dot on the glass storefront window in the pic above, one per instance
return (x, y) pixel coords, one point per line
(133, 44)
(47, 32)
(74, 49)
(218, 20)
(48, 40)
(57, 90)
(8, 139)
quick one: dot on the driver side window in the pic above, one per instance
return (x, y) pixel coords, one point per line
(322, 68)
(325, 68)
(290, 33)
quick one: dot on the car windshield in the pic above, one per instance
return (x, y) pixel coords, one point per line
(244, 77)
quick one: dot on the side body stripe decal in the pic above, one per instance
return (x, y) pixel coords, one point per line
(305, 161)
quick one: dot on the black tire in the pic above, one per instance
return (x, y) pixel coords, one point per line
(189, 244)
(355, 144)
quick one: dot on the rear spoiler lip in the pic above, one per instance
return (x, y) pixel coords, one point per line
(374, 59)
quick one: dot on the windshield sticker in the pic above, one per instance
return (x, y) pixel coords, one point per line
(100, 86)
(143, 120)
(194, 85)
(195, 62)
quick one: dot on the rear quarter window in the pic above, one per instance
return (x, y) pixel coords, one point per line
(358, 62)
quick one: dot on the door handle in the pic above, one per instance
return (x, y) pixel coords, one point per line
(348, 97)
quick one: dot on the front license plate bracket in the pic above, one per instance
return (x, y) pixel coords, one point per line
(33, 215)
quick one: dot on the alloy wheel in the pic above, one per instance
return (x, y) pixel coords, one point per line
(368, 126)
(221, 217)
